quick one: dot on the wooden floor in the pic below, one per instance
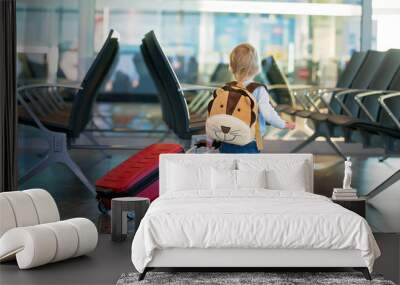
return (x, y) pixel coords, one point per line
(102, 266)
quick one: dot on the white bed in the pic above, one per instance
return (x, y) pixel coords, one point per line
(198, 222)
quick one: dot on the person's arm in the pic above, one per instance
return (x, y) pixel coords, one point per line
(267, 111)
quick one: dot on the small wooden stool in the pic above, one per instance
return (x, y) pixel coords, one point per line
(120, 207)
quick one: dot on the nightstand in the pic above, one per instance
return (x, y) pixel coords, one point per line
(355, 205)
(120, 208)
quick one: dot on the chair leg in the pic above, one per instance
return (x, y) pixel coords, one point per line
(385, 184)
(58, 153)
(384, 157)
(91, 138)
(164, 136)
(186, 143)
(305, 143)
(335, 147)
(364, 271)
(41, 165)
(67, 160)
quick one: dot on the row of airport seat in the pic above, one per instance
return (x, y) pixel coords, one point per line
(363, 107)
(42, 106)
(350, 108)
(356, 110)
(60, 122)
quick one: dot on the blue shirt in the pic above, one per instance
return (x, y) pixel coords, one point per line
(267, 113)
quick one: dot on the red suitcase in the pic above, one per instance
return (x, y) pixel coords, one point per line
(137, 176)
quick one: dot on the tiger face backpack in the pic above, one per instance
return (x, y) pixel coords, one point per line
(233, 115)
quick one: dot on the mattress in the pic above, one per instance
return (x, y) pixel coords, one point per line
(250, 219)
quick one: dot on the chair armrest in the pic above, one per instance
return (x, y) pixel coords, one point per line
(290, 87)
(361, 104)
(338, 96)
(55, 98)
(311, 101)
(49, 85)
(42, 105)
(279, 86)
(381, 101)
(297, 96)
(322, 91)
(327, 89)
(213, 84)
(31, 113)
(301, 86)
(193, 87)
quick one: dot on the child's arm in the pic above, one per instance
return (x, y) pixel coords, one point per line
(269, 113)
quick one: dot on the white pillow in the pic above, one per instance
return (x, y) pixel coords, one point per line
(190, 176)
(251, 178)
(181, 177)
(226, 179)
(280, 180)
(289, 175)
(223, 179)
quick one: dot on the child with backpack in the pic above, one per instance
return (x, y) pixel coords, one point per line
(239, 111)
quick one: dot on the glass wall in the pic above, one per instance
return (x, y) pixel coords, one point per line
(312, 40)
(386, 20)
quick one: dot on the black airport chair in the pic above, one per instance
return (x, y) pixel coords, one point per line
(41, 106)
(166, 108)
(306, 96)
(362, 80)
(387, 127)
(278, 87)
(369, 113)
(381, 110)
(385, 79)
(344, 81)
(174, 90)
(163, 66)
(221, 74)
(169, 86)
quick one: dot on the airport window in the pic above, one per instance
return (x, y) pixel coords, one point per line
(310, 49)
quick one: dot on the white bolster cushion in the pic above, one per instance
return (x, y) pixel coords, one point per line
(26, 208)
(45, 205)
(87, 235)
(23, 209)
(40, 244)
(7, 219)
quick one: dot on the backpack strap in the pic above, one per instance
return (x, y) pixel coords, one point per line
(254, 85)
(259, 139)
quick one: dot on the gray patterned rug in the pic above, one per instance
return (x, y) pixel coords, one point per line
(242, 278)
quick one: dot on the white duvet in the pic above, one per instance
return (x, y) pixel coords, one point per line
(253, 218)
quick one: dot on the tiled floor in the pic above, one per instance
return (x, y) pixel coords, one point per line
(105, 265)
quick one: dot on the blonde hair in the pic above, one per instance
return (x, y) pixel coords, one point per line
(243, 62)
